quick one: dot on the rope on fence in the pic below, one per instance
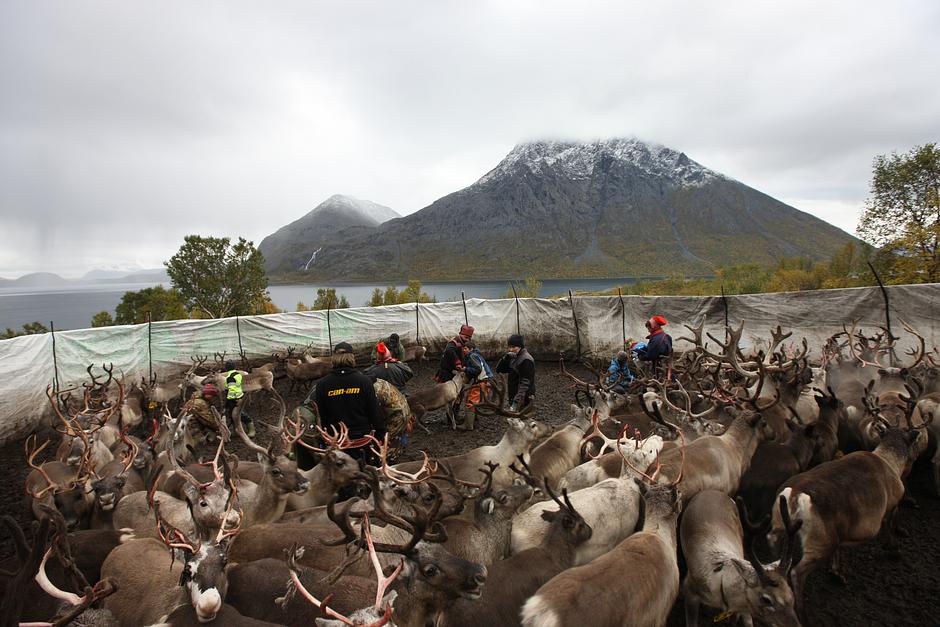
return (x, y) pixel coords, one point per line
(516, 296)
(577, 331)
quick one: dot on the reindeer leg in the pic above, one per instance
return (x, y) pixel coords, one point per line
(834, 570)
(691, 608)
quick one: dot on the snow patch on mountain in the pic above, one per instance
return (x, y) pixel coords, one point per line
(371, 210)
(578, 160)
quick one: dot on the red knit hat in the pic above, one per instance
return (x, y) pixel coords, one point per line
(466, 330)
(657, 322)
(384, 353)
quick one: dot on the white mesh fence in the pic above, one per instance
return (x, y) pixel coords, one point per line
(595, 325)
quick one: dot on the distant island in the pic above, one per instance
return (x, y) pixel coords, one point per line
(104, 277)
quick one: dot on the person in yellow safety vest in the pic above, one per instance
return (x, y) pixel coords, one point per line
(233, 399)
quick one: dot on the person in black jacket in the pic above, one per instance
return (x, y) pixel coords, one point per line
(521, 368)
(346, 396)
(451, 359)
(658, 342)
(387, 367)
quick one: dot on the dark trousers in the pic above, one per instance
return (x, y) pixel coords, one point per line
(233, 404)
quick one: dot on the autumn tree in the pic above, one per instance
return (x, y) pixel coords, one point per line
(160, 303)
(902, 215)
(218, 278)
(327, 299)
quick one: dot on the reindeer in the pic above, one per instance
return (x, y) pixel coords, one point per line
(55, 486)
(416, 353)
(636, 583)
(717, 462)
(513, 580)
(111, 483)
(773, 463)
(610, 465)
(437, 396)
(522, 433)
(208, 508)
(611, 508)
(718, 574)
(335, 469)
(152, 584)
(847, 500)
(303, 372)
(266, 500)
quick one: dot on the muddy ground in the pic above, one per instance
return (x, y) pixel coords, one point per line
(880, 589)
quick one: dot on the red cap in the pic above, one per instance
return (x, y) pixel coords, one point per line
(382, 350)
(657, 322)
(209, 391)
(466, 330)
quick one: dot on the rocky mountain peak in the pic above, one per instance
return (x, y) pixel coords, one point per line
(579, 160)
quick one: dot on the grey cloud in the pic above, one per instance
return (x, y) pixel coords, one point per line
(124, 126)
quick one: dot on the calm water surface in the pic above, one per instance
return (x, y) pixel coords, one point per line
(73, 306)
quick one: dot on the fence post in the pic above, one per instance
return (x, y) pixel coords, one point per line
(238, 331)
(463, 299)
(724, 303)
(577, 331)
(417, 325)
(516, 296)
(55, 362)
(150, 347)
(884, 294)
(329, 331)
(623, 319)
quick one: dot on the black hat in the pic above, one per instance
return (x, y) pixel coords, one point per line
(516, 340)
(343, 347)
(230, 365)
(394, 337)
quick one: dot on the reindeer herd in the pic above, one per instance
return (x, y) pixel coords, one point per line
(729, 481)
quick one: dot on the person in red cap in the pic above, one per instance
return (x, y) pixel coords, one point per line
(389, 368)
(658, 342)
(451, 359)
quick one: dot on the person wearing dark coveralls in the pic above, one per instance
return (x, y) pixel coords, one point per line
(451, 358)
(658, 345)
(521, 368)
(346, 396)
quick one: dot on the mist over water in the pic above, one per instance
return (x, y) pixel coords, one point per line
(73, 306)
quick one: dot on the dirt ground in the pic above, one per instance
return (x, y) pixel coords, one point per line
(880, 590)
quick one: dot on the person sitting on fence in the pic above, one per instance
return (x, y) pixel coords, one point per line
(658, 346)
(389, 368)
(619, 374)
(521, 368)
(234, 395)
(450, 360)
(347, 396)
(479, 373)
(394, 346)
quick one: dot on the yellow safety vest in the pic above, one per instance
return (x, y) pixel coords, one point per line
(233, 383)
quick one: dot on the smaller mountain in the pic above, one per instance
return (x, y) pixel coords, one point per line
(294, 246)
(118, 274)
(35, 279)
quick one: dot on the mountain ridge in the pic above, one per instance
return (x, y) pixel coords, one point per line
(618, 207)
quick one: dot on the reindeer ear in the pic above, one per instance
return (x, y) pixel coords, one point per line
(548, 515)
(488, 505)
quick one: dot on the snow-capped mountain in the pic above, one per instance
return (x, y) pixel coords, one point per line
(580, 160)
(293, 247)
(619, 207)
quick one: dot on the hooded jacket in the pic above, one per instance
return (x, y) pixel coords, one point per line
(521, 369)
(346, 396)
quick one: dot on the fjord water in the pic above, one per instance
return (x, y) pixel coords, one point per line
(72, 306)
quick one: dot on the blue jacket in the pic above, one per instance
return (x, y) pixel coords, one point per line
(617, 371)
(474, 364)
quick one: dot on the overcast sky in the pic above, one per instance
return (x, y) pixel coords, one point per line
(126, 125)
